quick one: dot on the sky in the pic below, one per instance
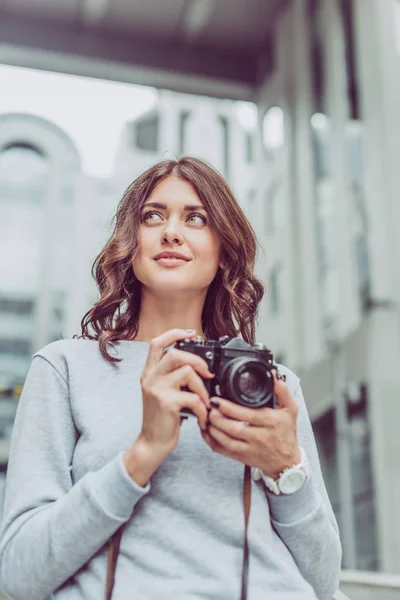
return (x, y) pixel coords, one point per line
(91, 111)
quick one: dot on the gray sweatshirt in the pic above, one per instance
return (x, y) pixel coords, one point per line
(68, 492)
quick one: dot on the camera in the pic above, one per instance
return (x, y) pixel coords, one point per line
(243, 373)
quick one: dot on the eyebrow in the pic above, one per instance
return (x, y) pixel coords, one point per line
(188, 207)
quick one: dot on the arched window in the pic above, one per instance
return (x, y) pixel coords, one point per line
(24, 174)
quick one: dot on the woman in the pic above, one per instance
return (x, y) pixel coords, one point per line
(99, 442)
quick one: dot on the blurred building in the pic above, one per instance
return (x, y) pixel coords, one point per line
(39, 172)
(55, 219)
(328, 215)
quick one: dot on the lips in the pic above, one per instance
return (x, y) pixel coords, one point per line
(172, 255)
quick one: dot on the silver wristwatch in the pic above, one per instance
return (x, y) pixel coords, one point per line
(290, 481)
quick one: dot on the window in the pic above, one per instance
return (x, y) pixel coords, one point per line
(16, 306)
(225, 143)
(273, 129)
(317, 73)
(251, 196)
(347, 12)
(24, 173)
(325, 225)
(396, 22)
(21, 347)
(322, 143)
(273, 207)
(275, 292)
(249, 140)
(355, 165)
(183, 119)
(147, 132)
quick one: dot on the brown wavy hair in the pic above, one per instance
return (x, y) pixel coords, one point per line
(232, 300)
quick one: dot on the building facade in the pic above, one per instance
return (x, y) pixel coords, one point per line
(328, 215)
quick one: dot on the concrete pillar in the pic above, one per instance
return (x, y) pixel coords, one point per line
(378, 67)
(305, 255)
(337, 108)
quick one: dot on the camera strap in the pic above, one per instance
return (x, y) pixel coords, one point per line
(115, 542)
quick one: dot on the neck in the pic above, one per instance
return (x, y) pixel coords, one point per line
(159, 313)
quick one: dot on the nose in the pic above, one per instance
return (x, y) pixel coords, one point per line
(171, 234)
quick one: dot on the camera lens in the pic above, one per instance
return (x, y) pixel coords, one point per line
(251, 383)
(248, 382)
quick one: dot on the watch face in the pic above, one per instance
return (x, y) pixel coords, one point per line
(292, 481)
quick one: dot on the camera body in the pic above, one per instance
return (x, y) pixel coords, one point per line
(243, 373)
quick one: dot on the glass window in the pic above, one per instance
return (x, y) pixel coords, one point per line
(225, 143)
(325, 225)
(355, 172)
(273, 206)
(147, 132)
(317, 70)
(321, 139)
(16, 306)
(396, 22)
(275, 291)
(273, 129)
(249, 140)
(183, 120)
(347, 13)
(23, 187)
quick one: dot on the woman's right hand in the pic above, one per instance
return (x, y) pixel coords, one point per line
(162, 380)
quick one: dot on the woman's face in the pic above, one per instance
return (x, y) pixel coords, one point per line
(177, 249)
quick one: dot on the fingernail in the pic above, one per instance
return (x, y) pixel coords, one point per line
(190, 330)
(214, 403)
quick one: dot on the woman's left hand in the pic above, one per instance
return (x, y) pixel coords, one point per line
(265, 438)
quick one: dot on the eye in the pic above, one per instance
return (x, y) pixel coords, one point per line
(151, 216)
(197, 218)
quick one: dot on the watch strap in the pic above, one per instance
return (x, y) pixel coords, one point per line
(277, 486)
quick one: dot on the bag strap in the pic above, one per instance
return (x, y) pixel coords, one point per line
(246, 507)
(113, 552)
(115, 543)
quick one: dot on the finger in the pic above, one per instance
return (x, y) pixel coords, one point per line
(175, 358)
(185, 376)
(214, 445)
(196, 405)
(239, 430)
(284, 397)
(159, 343)
(232, 445)
(252, 416)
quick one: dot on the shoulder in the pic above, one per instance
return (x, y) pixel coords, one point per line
(61, 354)
(63, 349)
(76, 355)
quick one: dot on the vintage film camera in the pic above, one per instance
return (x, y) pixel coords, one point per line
(243, 373)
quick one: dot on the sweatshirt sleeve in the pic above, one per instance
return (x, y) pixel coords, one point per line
(305, 520)
(51, 528)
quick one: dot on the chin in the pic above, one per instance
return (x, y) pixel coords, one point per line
(173, 285)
